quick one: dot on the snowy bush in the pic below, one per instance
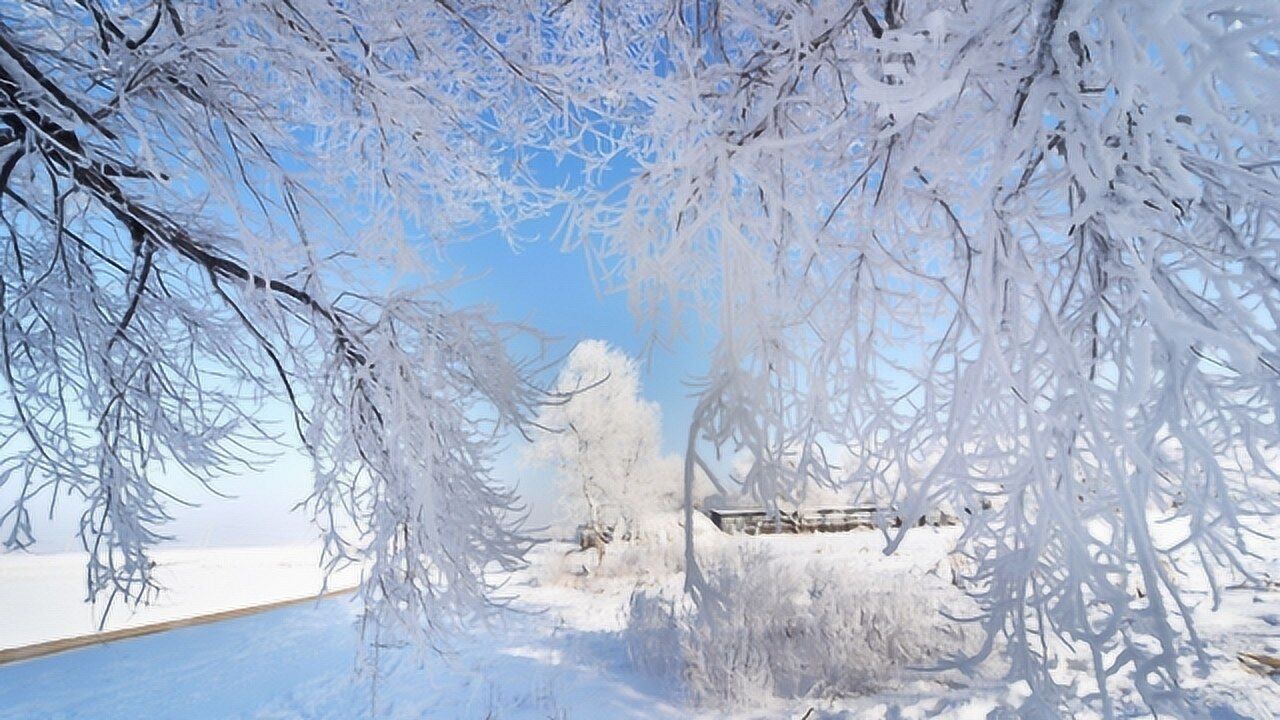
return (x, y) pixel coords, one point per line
(652, 553)
(782, 629)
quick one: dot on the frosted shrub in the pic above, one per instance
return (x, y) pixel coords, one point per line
(820, 629)
(652, 553)
(639, 559)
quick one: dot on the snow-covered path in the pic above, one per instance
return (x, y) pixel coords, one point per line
(299, 661)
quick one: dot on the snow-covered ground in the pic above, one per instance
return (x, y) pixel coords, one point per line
(42, 596)
(563, 655)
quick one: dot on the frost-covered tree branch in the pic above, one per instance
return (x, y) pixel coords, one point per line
(1006, 251)
(207, 210)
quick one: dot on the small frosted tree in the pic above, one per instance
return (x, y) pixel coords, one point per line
(604, 442)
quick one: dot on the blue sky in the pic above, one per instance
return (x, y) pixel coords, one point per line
(552, 291)
(537, 284)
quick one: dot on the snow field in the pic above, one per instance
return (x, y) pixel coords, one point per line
(847, 628)
(42, 596)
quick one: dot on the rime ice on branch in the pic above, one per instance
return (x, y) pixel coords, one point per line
(203, 206)
(1024, 252)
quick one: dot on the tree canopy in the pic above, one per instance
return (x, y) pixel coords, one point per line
(1008, 250)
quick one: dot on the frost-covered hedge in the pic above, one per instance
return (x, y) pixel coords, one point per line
(651, 552)
(782, 629)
